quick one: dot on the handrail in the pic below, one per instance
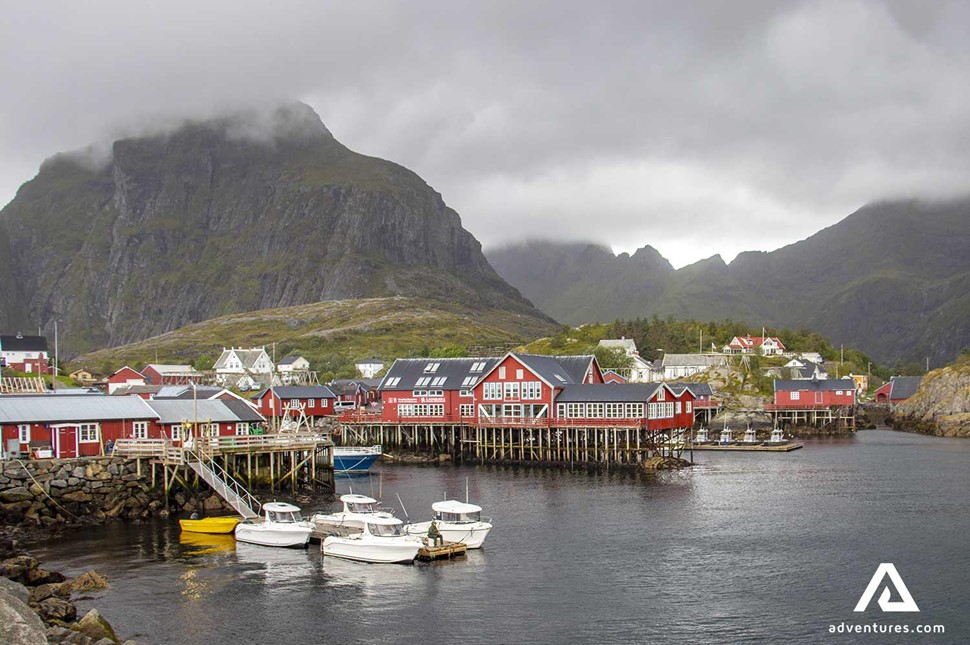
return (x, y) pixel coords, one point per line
(228, 480)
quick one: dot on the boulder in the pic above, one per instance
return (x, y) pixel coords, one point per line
(87, 581)
(15, 589)
(39, 576)
(48, 590)
(19, 625)
(18, 494)
(77, 496)
(95, 626)
(59, 609)
(36, 490)
(78, 472)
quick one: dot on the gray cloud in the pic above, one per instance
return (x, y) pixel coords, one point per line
(698, 128)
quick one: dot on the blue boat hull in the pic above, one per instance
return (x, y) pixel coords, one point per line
(353, 463)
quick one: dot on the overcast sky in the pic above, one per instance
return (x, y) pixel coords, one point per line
(695, 127)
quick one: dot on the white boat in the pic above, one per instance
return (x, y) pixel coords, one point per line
(282, 525)
(726, 438)
(750, 438)
(381, 541)
(357, 509)
(777, 438)
(456, 522)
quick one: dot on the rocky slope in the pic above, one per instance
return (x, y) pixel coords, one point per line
(247, 212)
(941, 405)
(892, 279)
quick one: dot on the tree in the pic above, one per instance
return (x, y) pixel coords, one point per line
(612, 359)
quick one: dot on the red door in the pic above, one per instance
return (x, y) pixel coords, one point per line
(65, 443)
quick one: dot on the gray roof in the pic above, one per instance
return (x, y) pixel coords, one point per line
(300, 392)
(247, 357)
(692, 360)
(43, 408)
(571, 369)
(243, 410)
(20, 343)
(453, 370)
(904, 387)
(128, 390)
(697, 389)
(186, 392)
(612, 392)
(289, 360)
(814, 385)
(176, 370)
(344, 387)
(178, 410)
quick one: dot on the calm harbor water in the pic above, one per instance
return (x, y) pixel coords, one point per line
(743, 547)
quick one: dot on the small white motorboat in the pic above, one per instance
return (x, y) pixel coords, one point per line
(282, 525)
(357, 509)
(777, 438)
(380, 541)
(726, 437)
(750, 438)
(456, 522)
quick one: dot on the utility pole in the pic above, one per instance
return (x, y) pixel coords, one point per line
(927, 364)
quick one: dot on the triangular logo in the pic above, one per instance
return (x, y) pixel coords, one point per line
(887, 569)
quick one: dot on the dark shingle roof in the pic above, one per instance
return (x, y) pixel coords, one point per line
(454, 371)
(698, 389)
(557, 370)
(904, 387)
(243, 410)
(618, 392)
(19, 343)
(814, 385)
(300, 392)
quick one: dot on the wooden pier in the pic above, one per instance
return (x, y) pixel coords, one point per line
(784, 447)
(814, 415)
(294, 460)
(522, 440)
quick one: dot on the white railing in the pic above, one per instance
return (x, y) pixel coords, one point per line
(225, 485)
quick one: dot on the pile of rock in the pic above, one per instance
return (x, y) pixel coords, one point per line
(36, 607)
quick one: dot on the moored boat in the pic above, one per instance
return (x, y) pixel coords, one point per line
(380, 541)
(357, 509)
(217, 525)
(282, 525)
(750, 438)
(350, 459)
(456, 522)
(777, 438)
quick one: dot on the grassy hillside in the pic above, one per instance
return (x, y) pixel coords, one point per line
(332, 335)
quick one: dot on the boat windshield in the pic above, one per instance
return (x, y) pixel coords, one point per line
(384, 530)
(459, 518)
(284, 516)
(362, 507)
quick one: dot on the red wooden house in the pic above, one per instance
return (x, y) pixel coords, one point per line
(609, 376)
(315, 400)
(434, 388)
(526, 385)
(67, 426)
(655, 406)
(898, 389)
(125, 376)
(209, 417)
(814, 393)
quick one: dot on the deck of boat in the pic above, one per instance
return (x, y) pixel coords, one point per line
(785, 447)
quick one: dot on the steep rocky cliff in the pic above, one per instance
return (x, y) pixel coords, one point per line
(247, 212)
(941, 405)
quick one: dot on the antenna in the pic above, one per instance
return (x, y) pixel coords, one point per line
(401, 502)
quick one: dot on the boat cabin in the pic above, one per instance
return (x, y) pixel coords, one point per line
(750, 436)
(359, 504)
(456, 512)
(701, 436)
(777, 436)
(282, 512)
(726, 437)
(384, 526)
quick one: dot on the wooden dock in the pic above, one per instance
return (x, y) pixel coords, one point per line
(445, 551)
(785, 447)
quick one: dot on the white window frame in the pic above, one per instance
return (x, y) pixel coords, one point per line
(511, 390)
(88, 432)
(466, 409)
(575, 410)
(532, 390)
(634, 411)
(794, 395)
(243, 429)
(311, 403)
(594, 410)
(466, 393)
(23, 432)
(176, 432)
(492, 391)
(139, 429)
(614, 411)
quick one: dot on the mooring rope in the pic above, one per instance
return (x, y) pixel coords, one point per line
(44, 491)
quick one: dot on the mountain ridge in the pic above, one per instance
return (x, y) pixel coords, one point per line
(892, 278)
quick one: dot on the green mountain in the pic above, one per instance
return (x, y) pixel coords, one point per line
(892, 279)
(247, 212)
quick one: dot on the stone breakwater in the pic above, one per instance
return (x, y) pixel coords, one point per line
(49, 493)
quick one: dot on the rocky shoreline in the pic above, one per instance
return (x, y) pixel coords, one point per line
(36, 605)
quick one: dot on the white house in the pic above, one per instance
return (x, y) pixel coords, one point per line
(802, 369)
(291, 368)
(244, 367)
(640, 370)
(677, 366)
(369, 368)
(766, 345)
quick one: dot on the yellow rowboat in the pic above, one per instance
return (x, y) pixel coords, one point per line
(210, 525)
